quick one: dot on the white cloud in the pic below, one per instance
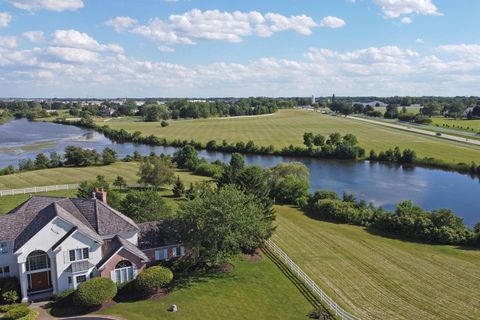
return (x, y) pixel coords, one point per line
(397, 8)
(67, 54)
(234, 26)
(387, 70)
(120, 24)
(5, 19)
(302, 24)
(420, 40)
(80, 40)
(50, 5)
(8, 42)
(34, 36)
(466, 51)
(406, 20)
(165, 49)
(332, 22)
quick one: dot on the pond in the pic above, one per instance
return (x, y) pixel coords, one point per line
(382, 184)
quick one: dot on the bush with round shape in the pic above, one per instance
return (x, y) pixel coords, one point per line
(153, 279)
(95, 292)
(18, 312)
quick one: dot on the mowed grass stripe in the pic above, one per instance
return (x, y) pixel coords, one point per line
(287, 127)
(381, 278)
(68, 175)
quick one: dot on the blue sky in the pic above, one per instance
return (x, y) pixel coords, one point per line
(117, 48)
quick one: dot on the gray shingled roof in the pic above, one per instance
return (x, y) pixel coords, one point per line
(158, 234)
(117, 243)
(92, 217)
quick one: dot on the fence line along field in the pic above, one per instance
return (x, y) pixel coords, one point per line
(376, 277)
(46, 177)
(287, 127)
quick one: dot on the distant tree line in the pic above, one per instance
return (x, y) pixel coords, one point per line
(74, 157)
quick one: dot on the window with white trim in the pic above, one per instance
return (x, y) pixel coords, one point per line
(161, 254)
(4, 248)
(178, 251)
(5, 272)
(78, 254)
(124, 272)
(81, 279)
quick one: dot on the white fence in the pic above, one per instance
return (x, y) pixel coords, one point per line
(12, 192)
(334, 308)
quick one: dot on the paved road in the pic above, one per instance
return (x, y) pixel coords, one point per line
(421, 131)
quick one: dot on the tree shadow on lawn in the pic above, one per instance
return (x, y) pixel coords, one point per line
(287, 272)
(65, 310)
(181, 281)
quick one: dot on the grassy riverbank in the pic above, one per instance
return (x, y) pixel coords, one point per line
(377, 277)
(286, 127)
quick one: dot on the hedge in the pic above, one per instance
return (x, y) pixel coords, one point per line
(153, 278)
(95, 292)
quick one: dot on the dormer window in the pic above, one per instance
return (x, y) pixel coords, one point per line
(4, 248)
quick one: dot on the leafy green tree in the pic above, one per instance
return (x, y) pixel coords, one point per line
(308, 139)
(178, 188)
(222, 223)
(186, 157)
(319, 140)
(55, 160)
(41, 161)
(334, 139)
(391, 111)
(120, 182)
(156, 172)
(109, 156)
(145, 206)
(86, 188)
(289, 182)
(234, 169)
(79, 157)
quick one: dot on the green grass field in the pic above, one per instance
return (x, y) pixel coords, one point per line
(457, 124)
(55, 176)
(251, 291)
(381, 278)
(287, 127)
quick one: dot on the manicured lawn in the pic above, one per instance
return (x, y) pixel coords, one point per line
(381, 278)
(286, 127)
(457, 124)
(251, 291)
(7, 203)
(55, 176)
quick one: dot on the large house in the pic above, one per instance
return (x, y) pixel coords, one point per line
(53, 244)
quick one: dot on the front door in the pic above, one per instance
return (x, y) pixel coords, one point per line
(39, 281)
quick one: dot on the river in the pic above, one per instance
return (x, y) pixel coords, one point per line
(382, 184)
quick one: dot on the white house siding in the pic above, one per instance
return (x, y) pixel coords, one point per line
(9, 259)
(44, 241)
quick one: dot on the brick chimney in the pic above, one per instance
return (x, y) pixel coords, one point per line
(101, 195)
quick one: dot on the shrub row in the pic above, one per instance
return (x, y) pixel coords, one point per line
(437, 227)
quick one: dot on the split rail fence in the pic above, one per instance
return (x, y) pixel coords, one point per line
(327, 301)
(13, 192)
